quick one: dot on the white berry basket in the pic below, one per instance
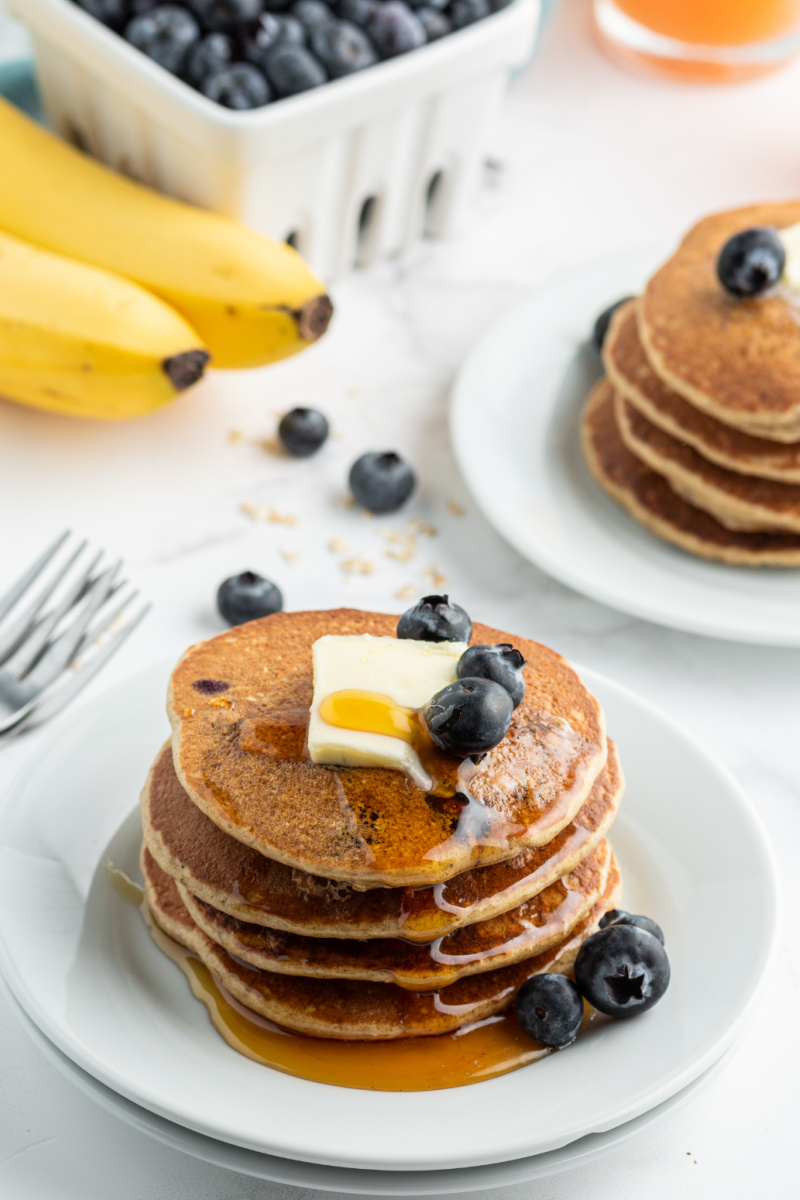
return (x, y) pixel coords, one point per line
(349, 173)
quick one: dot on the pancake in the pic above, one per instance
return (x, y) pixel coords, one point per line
(737, 501)
(239, 752)
(351, 1009)
(523, 932)
(736, 359)
(239, 881)
(630, 372)
(650, 499)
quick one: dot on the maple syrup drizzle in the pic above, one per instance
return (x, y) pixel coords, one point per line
(483, 1050)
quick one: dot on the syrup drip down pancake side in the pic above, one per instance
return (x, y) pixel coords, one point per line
(649, 498)
(355, 1009)
(240, 753)
(736, 359)
(523, 932)
(242, 883)
(633, 377)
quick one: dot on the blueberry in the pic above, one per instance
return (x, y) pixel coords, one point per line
(469, 716)
(247, 596)
(618, 916)
(435, 619)
(208, 56)
(622, 970)
(435, 23)
(358, 12)
(550, 1009)
(292, 69)
(166, 35)
(381, 482)
(240, 86)
(501, 663)
(342, 48)
(113, 13)
(395, 29)
(277, 6)
(257, 37)
(751, 261)
(224, 16)
(467, 12)
(600, 327)
(313, 14)
(302, 431)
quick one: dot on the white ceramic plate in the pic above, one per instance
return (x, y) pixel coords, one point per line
(515, 430)
(347, 1179)
(81, 963)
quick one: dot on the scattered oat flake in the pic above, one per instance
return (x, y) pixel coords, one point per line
(455, 508)
(337, 545)
(289, 556)
(271, 445)
(405, 593)
(405, 546)
(357, 566)
(422, 528)
(261, 512)
(348, 501)
(438, 580)
(235, 436)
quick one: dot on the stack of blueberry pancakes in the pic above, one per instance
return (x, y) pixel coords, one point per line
(351, 900)
(695, 429)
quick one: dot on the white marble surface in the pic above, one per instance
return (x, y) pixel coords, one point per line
(594, 161)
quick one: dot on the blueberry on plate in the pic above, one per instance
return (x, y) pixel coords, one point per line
(435, 619)
(292, 69)
(622, 970)
(435, 23)
(113, 13)
(312, 13)
(502, 663)
(381, 481)
(302, 431)
(751, 261)
(166, 35)
(604, 320)
(208, 56)
(467, 12)
(469, 716)
(247, 596)
(224, 16)
(342, 48)
(240, 86)
(549, 1009)
(618, 916)
(395, 29)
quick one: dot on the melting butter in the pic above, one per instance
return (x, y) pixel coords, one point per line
(366, 692)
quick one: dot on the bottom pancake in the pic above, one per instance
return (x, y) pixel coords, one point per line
(359, 1010)
(650, 499)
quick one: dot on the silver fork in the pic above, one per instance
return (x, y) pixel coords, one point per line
(53, 643)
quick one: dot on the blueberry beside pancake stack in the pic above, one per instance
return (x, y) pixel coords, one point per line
(695, 429)
(347, 861)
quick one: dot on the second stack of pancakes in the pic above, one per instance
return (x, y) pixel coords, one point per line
(347, 902)
(696, 428)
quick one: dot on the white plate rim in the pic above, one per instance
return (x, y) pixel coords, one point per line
(105, 1074)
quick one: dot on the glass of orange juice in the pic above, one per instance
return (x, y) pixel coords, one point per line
(713, 40)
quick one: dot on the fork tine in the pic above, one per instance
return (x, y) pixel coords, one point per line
(13, 594)
(53, 702)
(61, 652)
(35, 643)
(106, 621)
(19, 630)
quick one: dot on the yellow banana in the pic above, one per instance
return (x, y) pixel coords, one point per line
(251, 299)
(76, 339)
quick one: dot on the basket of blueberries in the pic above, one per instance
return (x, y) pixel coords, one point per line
(348, 127)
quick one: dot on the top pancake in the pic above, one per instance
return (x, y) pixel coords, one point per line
(240, 754)
(633, 377)
(736, 359)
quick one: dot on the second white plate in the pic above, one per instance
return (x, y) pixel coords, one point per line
(80, 961)
(515, 430)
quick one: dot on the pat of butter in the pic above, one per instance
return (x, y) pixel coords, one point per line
(409, 672)
(791, 244)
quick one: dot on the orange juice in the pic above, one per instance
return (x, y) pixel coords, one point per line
(715, 22)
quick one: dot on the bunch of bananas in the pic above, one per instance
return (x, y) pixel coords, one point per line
(114, 298)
